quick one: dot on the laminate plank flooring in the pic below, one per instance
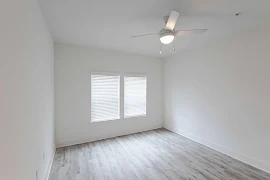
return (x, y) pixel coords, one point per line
(152, 155)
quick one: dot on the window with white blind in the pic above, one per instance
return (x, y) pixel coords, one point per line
(105, 97)
(135, 96)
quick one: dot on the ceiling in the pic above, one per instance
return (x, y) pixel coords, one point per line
(108, 24)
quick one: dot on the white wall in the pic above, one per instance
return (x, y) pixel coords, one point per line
(26, 91)
(72, 93)
(220, 97)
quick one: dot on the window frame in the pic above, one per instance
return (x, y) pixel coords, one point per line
(119, 94)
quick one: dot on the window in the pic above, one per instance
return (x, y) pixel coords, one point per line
(104, 97)
(135, 96)
(106, 100)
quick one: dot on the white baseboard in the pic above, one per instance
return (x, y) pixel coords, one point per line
(236, 155)
(65, 144)
(49, 166)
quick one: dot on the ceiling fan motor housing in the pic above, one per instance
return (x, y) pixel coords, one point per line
(165, 32)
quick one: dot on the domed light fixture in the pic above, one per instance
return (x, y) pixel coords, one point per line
(166, 37)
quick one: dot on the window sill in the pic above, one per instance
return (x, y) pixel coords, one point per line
(97, 121)
(135, 116)
(126, 117)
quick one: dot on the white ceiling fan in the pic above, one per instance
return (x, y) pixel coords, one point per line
(168, 33)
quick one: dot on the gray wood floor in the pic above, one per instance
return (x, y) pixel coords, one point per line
(157, 155)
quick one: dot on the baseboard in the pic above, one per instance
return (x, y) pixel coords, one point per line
(236, 155)
(49, 166)
(107, 137)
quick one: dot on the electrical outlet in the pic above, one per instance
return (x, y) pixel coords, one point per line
(36, 175)
(43, 156)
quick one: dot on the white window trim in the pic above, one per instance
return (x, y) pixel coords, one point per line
(135, 74)
(105, 74)
(135, 116)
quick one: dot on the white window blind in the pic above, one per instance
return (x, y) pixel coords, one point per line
(135, 96)
(104, 97)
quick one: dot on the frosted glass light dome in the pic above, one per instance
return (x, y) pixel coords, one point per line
(167, 39)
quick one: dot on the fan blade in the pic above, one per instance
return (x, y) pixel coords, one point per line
(143, 35)
(189, 31)
(172, 20)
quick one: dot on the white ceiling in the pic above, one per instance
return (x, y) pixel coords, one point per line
(108, 24)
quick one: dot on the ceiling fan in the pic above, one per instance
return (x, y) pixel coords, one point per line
(168, 33)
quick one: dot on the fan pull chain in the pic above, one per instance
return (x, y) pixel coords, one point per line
(173, 46)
